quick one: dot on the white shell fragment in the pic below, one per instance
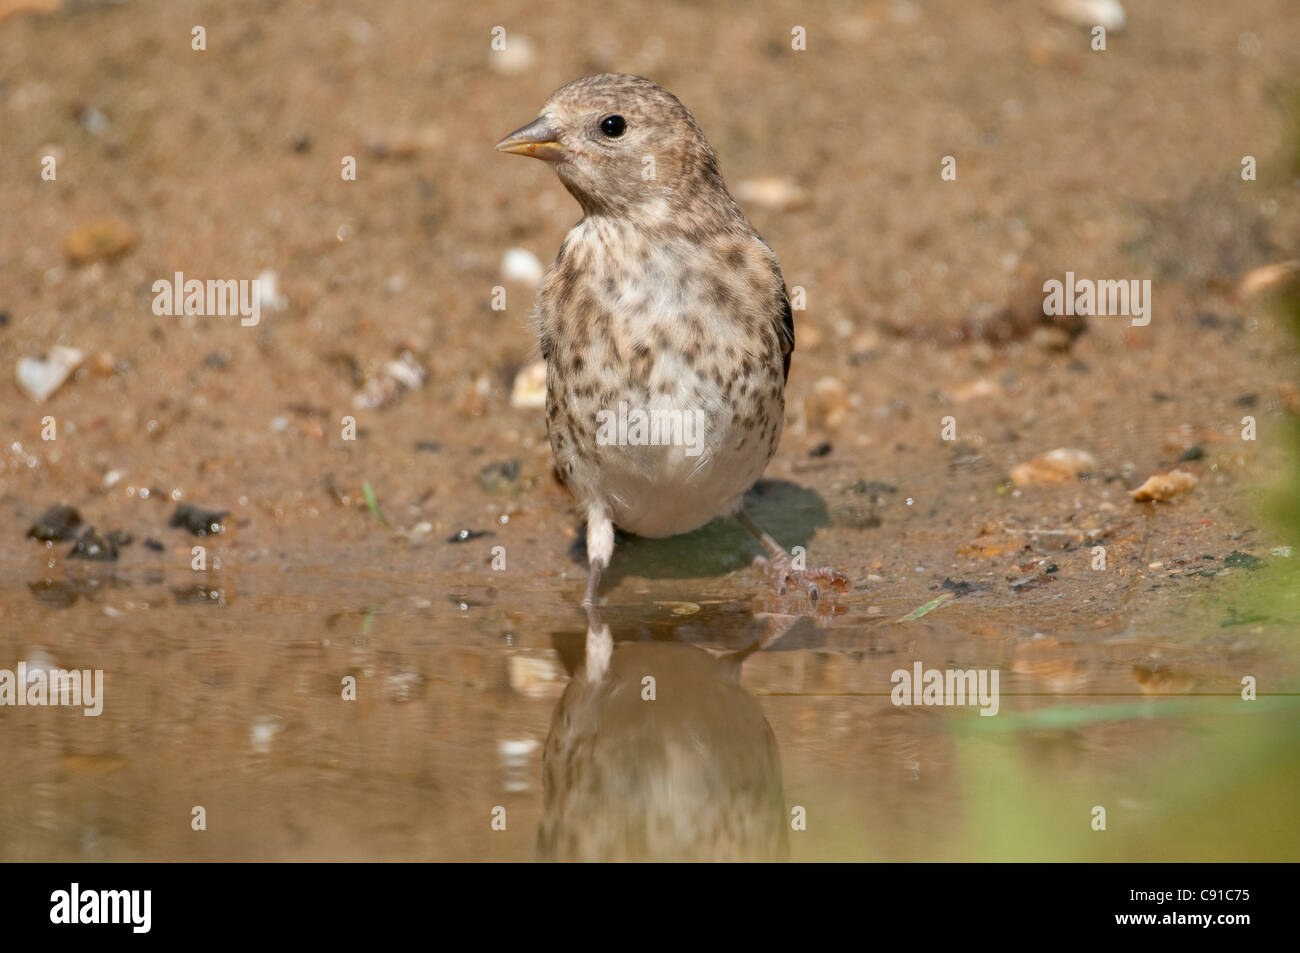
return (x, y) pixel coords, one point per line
(38, 379)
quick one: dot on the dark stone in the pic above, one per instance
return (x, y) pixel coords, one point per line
(120, 538)
(59, 522)
(197, 521)
(1239, 560)
(94, 547)
(465, 535)
(198, 595)
(961, 587)
(501, 476)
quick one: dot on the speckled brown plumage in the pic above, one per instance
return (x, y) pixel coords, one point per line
(664, 299)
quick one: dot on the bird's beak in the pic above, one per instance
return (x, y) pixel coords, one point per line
(539, 139)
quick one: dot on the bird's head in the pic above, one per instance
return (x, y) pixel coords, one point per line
(623, 145)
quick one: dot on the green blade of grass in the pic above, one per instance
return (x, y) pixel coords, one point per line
(927, 608)
(373, 503)
(1068, 717)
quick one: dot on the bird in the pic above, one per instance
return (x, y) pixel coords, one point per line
(665, 324)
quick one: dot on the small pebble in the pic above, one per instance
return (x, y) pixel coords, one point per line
(1103, 13)
(104, 240)
(517, 56)
(826, 405)
(466, 535)
(93, 546)
(1164, 486)
(773, 192)
(529, 388)
(268, 292)
(1056, 466)
(519, 264)
(58, 523)
(38, 378)
(197, 521)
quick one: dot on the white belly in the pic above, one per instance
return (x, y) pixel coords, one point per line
(670, 465)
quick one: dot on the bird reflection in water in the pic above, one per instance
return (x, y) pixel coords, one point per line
(657, 753)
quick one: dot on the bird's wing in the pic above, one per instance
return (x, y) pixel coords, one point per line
(786, 333)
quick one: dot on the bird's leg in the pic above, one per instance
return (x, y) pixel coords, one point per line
(779, 565)
(600, 547)
(594, 569)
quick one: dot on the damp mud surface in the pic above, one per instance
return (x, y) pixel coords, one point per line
(333, 586)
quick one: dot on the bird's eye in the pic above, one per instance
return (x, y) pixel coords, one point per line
(613, 126)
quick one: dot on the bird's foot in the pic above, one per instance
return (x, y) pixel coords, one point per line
(781, 573)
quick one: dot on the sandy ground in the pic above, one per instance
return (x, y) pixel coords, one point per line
(924, 302)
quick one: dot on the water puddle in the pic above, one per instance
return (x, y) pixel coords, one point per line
(318, 716)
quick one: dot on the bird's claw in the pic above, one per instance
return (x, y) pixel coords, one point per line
(781, 573)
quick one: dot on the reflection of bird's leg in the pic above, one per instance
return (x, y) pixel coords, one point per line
(600, 547)
(779, 565)
(599, 647)
(777, 626)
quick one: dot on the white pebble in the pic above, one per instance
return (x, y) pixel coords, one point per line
(268, 295)
(263, 731)
(519, 264)
(1104, 13)
(517, 56)
(772, 192)
(529, 388)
